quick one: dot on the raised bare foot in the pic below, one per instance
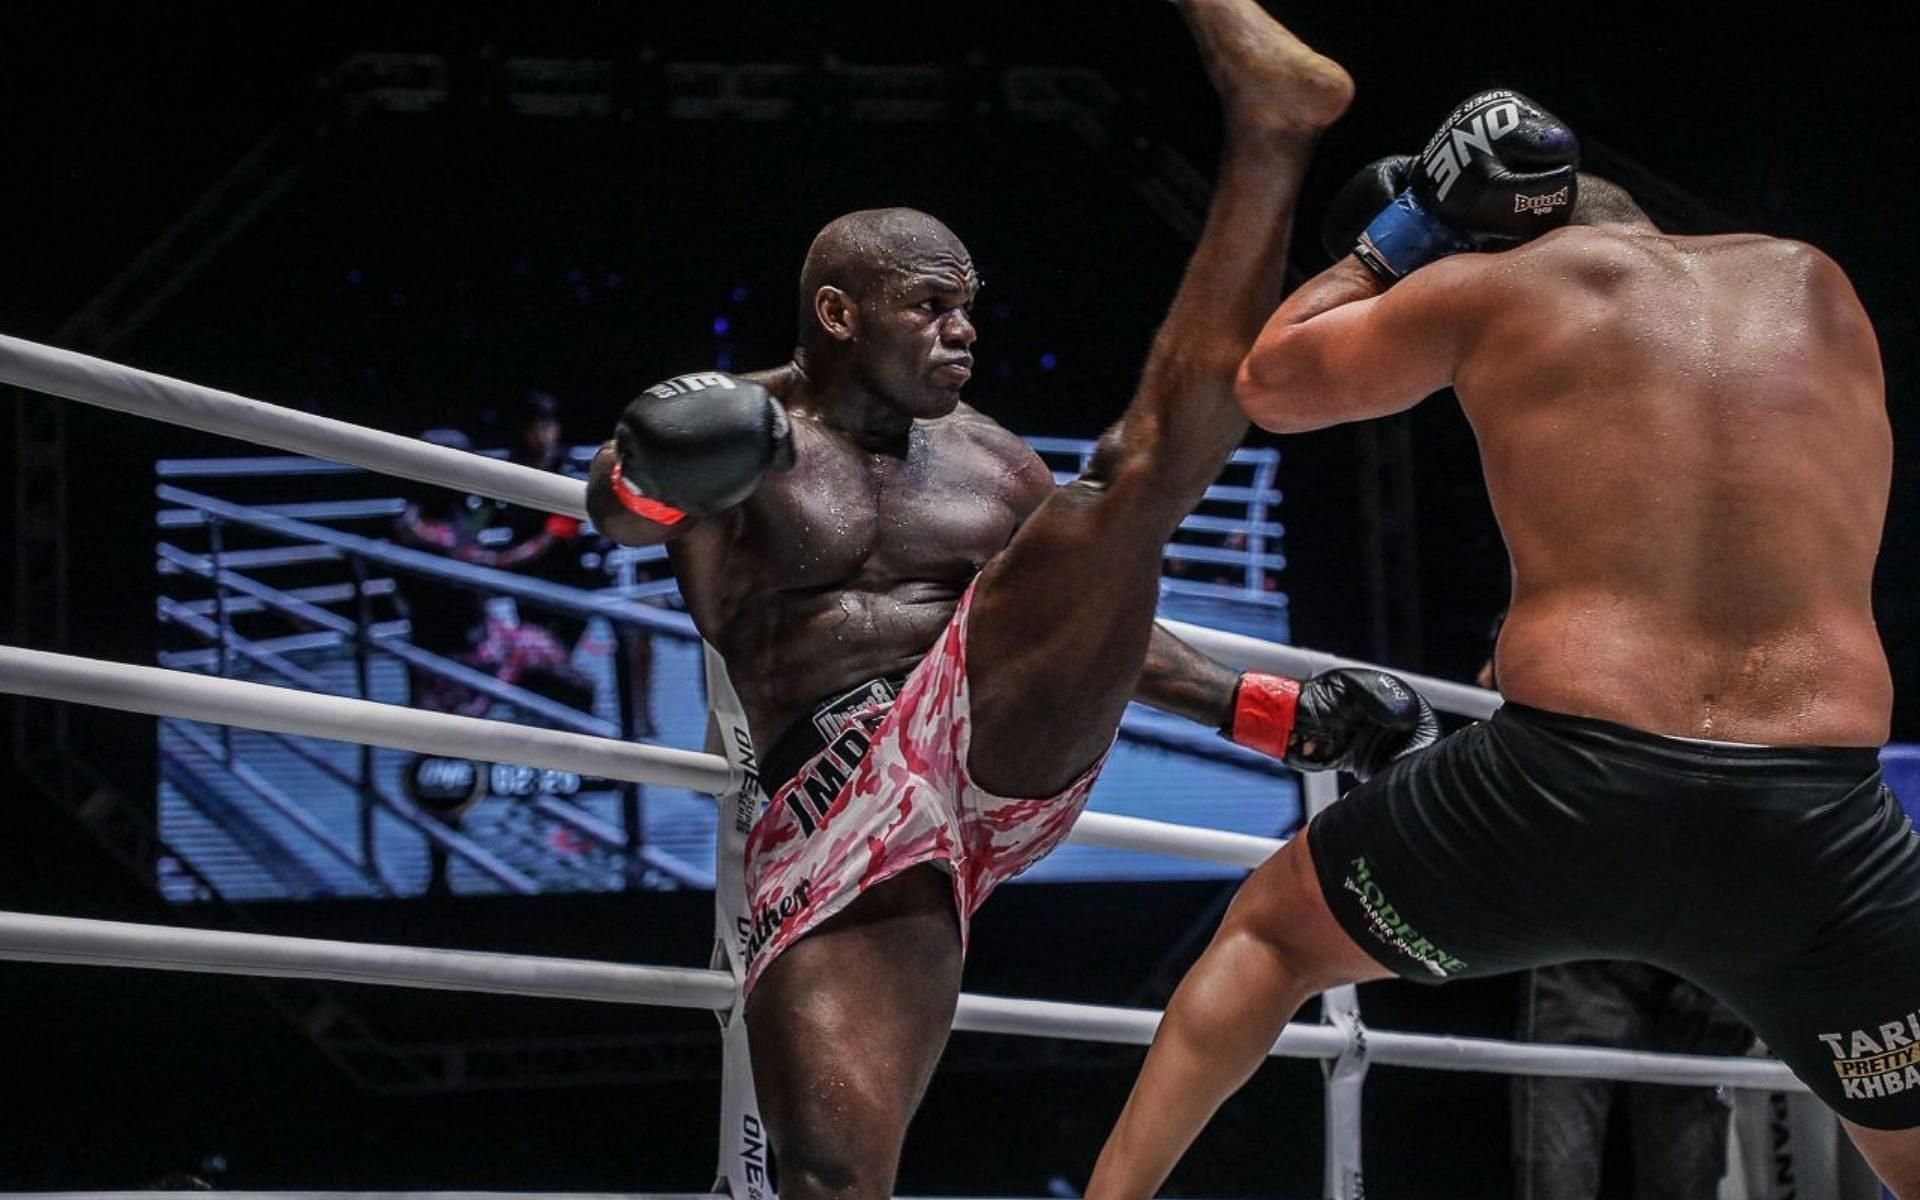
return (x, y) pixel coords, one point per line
(1267, 78)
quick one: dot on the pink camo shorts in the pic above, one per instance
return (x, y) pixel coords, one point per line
(891, 791)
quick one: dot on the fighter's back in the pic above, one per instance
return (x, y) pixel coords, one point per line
(1687, 448)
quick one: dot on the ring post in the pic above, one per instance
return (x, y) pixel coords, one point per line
(742, 1170)
(1346, 1074)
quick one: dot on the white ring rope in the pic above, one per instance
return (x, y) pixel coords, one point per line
(1251, 653)
(110, 385)
(160, 692)
(26, 937)
(124, 389)
(224, 1194)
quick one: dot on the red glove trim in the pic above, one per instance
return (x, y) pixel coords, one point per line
(631, 500)
(1263, 707)
(562, 528)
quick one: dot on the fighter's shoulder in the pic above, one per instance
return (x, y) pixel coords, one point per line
(1575, 267)
(1587, 255)
(783, 381)
(984, 435)
(1814, 265)
(1820, 286)
(968, 422)
(1463, 285)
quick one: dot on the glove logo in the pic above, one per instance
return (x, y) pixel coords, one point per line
(681, 385)
(1449, 154)
(1541, 206)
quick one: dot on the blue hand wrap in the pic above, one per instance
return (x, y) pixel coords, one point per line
(1406, 235)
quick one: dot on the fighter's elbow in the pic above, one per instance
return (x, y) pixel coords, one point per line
(602, 510)
(1273, 391)
(611, 517)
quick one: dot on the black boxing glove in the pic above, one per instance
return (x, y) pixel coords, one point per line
(1348, 719)
(698, 444)
(1360, 200)
(1499, 171)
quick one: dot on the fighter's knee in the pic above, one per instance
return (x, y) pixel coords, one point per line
(1194, 365)
(828, 1176)
(820, 1166)
(1269, 919)
(1282, 972)
(1111, 456)
(843, 1151)
(1140, 447)
(1255, 937)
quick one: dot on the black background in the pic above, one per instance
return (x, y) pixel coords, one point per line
(427, 270)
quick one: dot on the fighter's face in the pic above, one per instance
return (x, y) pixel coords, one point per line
(916, 334)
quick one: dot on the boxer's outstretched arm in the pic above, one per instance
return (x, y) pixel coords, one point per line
(1343, 348)
(1351, 719)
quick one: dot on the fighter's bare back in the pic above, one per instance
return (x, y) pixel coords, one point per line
(1687, 448)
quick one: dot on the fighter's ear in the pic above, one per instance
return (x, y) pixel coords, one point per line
(837, 312)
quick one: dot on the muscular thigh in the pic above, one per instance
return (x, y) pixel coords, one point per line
(1443, 869)
(1825, 970)
(860, 1006)
(1057, 636)
(1282, 905)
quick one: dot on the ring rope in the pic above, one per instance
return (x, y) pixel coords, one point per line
(125, 389)
(1255, 654)
(27, 937)
(447, 1195)
(159, 692)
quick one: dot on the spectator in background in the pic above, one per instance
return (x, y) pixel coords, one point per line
(495, 635)
(1677, 1135)
(536, 543)
(445, 619)
(553, 548)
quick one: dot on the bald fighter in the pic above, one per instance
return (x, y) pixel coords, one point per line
(933, 644)
(1686, 444)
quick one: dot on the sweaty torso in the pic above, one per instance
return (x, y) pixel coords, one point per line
(1687, 448)
(847, 567)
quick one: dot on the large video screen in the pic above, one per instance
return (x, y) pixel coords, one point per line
(308, 575)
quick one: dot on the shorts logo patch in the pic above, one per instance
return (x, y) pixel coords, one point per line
(846, 724)
(1875, 1063)
(831, 718)
(1391, 929)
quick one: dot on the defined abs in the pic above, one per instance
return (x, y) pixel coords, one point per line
(819, 646)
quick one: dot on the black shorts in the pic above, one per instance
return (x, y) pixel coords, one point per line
(1784, 880)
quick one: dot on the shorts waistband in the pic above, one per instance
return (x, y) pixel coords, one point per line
(810, 734)
(1850, 761)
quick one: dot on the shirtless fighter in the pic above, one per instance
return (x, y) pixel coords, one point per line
(932, 692)
(1687, 448)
